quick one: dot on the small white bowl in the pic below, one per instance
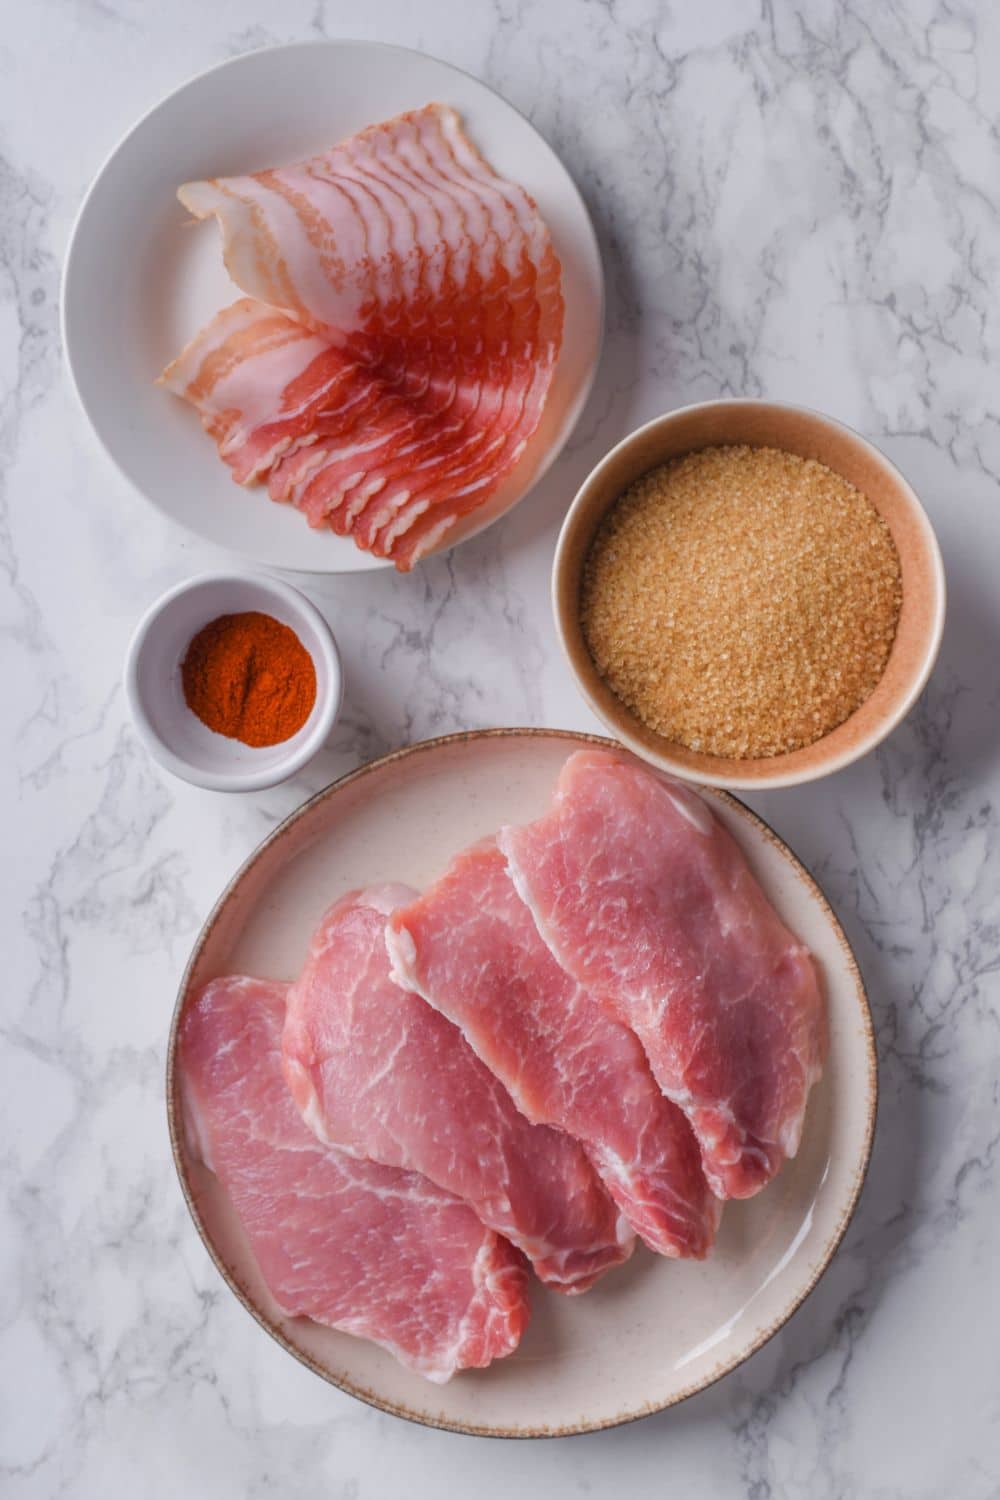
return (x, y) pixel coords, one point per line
(175, 736)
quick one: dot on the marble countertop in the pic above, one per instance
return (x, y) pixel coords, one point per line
(796, 200)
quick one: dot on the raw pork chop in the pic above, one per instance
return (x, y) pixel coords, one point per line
(374, 1251)
(469, 945)
(644, 897)
(376, 1071)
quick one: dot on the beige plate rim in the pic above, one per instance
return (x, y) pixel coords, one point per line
(373, 1398)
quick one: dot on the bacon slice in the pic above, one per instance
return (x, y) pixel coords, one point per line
(259, 381)
(377, 1252)
(410, 327)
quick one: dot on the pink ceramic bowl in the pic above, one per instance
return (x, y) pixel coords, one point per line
(810, 435)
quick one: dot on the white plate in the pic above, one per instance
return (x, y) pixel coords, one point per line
(141, 279)
(654, 1331)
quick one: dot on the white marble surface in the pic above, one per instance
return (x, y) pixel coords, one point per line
(797, 200)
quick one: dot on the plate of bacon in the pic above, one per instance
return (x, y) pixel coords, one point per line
(381, 340)
(519, 1090)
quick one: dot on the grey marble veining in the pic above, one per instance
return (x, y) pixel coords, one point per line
(794, 199)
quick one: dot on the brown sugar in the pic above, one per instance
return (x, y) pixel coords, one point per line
(741, 601)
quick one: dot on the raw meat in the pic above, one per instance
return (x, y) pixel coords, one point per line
(376, 1071)
(260, 381)
(434, 286)
(469, 945)
(643, 897)
(374, 1251)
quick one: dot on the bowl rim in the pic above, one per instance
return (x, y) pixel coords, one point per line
(247, 780)
(618, 725)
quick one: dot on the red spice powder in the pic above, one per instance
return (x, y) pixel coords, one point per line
(249, 677)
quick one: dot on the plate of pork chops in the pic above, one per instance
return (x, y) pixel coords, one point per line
(517, 1089)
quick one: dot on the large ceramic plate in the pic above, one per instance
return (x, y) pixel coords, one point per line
(141, 279)
(656, 1330)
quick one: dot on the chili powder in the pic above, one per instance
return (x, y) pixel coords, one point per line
(249, 677)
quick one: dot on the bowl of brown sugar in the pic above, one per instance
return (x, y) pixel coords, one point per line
(749, 594)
